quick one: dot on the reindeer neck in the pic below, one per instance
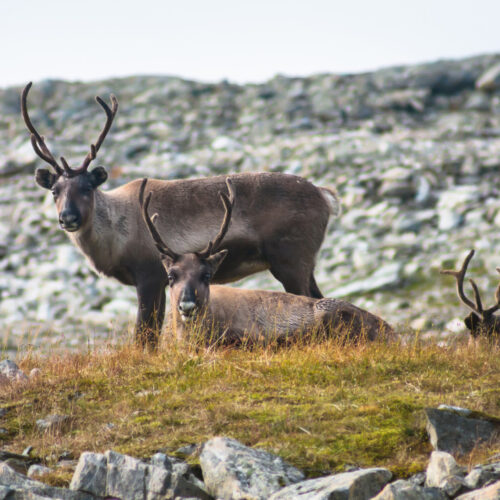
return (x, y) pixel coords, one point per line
(104, 238)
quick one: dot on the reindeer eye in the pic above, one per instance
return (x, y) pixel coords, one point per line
(171, 277)
(207, 277)
(55, 193)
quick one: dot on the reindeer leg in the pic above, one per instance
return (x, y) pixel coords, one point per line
(151, 312)
(314, 290)
(291, 262)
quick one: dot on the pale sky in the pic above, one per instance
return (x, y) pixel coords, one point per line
(241, 41)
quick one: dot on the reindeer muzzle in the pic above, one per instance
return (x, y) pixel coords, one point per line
(187, 309)
(69, 221)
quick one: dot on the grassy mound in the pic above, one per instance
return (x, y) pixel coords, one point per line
(320, 406)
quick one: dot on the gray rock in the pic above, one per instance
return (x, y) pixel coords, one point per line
(482, 474)
(449, 220)
(491, 492)
(478, 101)
(38, 471)
(465, 412)
(54, 423)
(407, 490)
(490, 79)
(162, 460)
(451, 432)
(418, 479)
(453, 485)
(11, 372)
(358, 485)
(441, 467)
(386, 276)
(226, 143)
(187, 450)
(126, 476)
(402, 100)
(18, 494)
(232, 470)
(178, 467)
(130, 478)
(90, 474)
(404, 190)
(30, 488)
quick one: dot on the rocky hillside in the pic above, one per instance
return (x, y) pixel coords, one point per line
(413, 152)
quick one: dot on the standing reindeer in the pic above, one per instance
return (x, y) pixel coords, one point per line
(236, 315)
(279, 225)
(480, 322)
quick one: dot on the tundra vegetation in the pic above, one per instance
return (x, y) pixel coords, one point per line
(321, 406)
(414, 153)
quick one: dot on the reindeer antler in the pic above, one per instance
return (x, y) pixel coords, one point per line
(460, 275)
(94, 148)
(41, 149)
(478, 306)
(496, 306)
(160, 244)
(37, 140)
(228, 202)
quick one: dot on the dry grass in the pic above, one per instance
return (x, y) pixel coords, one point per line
(319, 406)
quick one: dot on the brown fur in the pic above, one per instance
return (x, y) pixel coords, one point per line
(234, 315)
(278, 224)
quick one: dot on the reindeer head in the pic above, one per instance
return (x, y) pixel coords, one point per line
(189, 275)
(73, 189)
(480, 322)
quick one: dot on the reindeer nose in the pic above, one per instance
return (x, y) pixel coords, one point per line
(69, 220)
(186, 307)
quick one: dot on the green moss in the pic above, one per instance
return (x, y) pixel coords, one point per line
(319, 407)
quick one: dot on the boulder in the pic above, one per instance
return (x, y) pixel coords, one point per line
(10, 372)
(130, 478)
(482, 474)
(7, 493)
(449, 431)
(490, 79)
(357, 485)
(441, 466)
(232, 470)
(90, 474)
(491, 492)
(172, 464)
(37, 471)
(115, 475)
(28, 488)
(408, 490)
(443, 472)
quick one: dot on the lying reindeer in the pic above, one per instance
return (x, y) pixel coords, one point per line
(232, 315)
(279, 225)
(480, 322)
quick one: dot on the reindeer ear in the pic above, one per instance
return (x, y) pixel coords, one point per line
(45, 178)
(216, 259)
(472, 322)
(97, 176)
